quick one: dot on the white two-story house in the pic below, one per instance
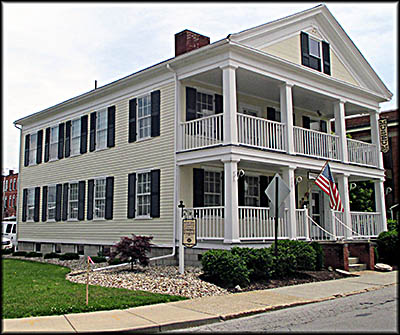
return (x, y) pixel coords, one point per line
(209, 127)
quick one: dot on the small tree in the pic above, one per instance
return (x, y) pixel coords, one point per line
(133, 249)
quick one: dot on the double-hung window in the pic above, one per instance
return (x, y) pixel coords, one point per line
(73, 201)
(53, 143)
(143, 194)
(75, 136)
(51, 202)
(101, 129)
(32, 149)
(251, 191)
(204, 104)
(212, 188)
(144, 117)
(314, 47)
(30, 203)
(99, 198)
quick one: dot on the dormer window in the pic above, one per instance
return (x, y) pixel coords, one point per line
(313, 46)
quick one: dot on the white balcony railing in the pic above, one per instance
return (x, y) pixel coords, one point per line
(255, 223)
(362, 152)
(210, 221)
(363, 225)
(316, 144)
(261, 133)
(203, 132)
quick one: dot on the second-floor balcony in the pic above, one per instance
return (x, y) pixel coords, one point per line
(265, 134)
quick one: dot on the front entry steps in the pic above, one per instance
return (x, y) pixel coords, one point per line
(355, 266)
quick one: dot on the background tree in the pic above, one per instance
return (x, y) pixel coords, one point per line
(362, 197)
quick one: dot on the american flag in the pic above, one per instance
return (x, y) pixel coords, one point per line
(327, 184)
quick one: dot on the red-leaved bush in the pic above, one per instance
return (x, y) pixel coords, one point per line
(133, 249)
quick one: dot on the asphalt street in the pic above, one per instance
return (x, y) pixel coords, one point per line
(374, 311)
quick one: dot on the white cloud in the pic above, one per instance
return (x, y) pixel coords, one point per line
(53, 52)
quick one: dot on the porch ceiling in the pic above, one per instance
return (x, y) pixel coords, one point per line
(254, 84)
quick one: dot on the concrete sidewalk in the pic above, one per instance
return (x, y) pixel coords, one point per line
(195, 312)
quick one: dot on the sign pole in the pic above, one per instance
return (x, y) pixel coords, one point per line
(276, 218)
(181, 248)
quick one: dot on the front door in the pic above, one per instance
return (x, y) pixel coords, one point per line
(317, 207)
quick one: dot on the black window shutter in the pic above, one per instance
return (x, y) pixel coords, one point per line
(323, 126)
(27, 145)
(84, 131)
(263, 185)
(111, 127)
(305, 55)
(24, 203)
(92, 145)
(65, 202)
(198, 187)
(39, 146)
(44, 204)
(132, 120)
(109, 197)
(190, 103)
(47, 145)
(155, 113)
(67, 138)
(241, 194)
(90, 198)
(271, 114)
(61, 141)
(37, 204)
(155, 194)
(306, 122)
(81, 200)
(326, 57)
(131, 195)
(219, 103)
(58, 202)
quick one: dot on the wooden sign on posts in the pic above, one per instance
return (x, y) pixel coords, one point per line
(189, 234)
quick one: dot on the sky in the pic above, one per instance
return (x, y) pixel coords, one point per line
(54, 51)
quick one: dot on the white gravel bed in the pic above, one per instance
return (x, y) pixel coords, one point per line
(154, 278)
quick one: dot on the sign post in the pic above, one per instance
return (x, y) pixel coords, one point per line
(277, 191)
(181, 248)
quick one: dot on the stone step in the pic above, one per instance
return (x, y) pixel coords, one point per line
(353, 260)
(357, 267)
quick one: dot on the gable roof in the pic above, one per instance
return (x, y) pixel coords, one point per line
(326, 25)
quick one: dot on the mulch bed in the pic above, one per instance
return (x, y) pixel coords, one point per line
(298, 278)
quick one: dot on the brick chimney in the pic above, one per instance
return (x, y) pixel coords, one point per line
(187, 40)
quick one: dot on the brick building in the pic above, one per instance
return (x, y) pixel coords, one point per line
(359, 129)
(9, 187)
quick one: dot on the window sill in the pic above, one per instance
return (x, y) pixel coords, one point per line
(99, 219)
(100, 149)
(143, 139)
(144, 217)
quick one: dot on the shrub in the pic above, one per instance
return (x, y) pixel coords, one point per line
(34, 254)
(19, 253)
(98, 259)
(51, 255)
(320, 260)
(133, 249)
(115, 261)
(258, 261)
(284, 264)
(392, 225)
(69, 256)
(224, 268)
(7, 251)
(387, 244)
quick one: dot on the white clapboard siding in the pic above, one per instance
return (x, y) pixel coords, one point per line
(119, 161)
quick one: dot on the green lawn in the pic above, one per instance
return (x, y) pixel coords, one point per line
(34, 289)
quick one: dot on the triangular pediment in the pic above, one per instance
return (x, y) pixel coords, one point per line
(281, 38)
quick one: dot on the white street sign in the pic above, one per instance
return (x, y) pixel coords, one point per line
(283, 192)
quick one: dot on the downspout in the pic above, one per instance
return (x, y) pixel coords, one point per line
(175, 177)
(18, 184)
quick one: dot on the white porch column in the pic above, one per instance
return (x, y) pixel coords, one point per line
(231, 201)
(340, 129)
(380, 202)
(373, 120)
(343, 187)
(286, 104)
(290, 202)
(229, 103)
